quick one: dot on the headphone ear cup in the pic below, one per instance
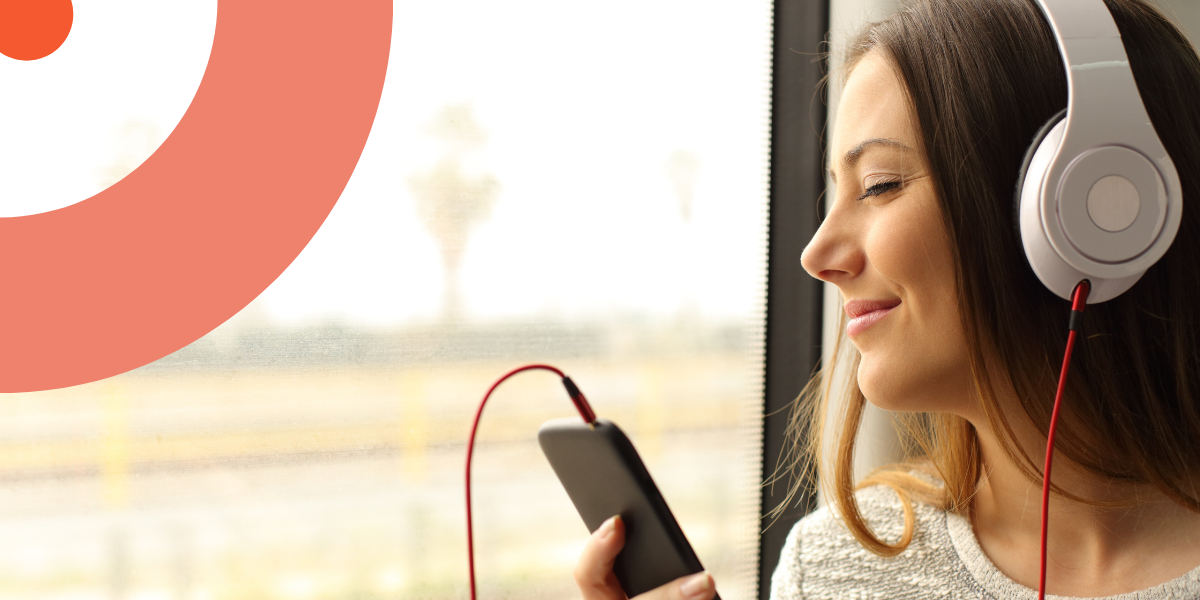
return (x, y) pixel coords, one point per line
(1038, 138)
(1047, 263)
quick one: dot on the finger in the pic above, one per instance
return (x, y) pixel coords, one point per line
(697, 586)
(593, 572)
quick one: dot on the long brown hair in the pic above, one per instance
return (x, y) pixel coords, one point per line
(982, 77)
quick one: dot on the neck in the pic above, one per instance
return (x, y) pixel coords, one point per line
(1134, 539)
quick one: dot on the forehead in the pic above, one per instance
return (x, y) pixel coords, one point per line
(873, 105)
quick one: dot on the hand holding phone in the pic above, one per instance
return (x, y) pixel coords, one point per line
(604, 476)
(596, 581)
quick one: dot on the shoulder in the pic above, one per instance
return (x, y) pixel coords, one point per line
(821, 559)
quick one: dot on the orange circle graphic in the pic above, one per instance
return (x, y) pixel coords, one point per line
(33, 29)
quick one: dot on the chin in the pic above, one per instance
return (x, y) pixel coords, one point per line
(877, 384)
(894, 381)
(890, 386)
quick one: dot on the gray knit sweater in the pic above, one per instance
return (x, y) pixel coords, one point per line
(822, 560)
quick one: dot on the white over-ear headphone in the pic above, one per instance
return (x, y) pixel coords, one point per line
(1099, 197)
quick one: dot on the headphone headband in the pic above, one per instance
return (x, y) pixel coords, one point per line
(1100, 85)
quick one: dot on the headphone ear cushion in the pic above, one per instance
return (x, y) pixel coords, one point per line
(1038, 138)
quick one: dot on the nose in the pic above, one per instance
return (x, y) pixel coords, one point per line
(833, 254)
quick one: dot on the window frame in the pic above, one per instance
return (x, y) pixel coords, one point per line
(794, 300)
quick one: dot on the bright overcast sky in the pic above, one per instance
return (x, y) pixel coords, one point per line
(584, 107)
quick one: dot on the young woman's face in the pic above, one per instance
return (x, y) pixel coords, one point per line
(883, 244)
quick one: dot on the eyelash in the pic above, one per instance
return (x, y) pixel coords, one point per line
(880, 188)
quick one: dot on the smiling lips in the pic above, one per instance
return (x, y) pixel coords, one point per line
(865, 313)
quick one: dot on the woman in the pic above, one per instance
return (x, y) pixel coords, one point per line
(940, 104)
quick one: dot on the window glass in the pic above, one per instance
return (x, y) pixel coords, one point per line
(554, 182)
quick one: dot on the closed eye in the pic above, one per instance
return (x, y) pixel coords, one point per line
(880, 188)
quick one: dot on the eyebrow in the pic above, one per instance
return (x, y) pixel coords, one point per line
(851, 157)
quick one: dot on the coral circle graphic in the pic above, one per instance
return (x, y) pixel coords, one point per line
(215, 215)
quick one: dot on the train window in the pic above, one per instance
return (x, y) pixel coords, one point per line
(545, 181)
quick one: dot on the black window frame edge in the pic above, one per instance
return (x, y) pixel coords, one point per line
(794, 307)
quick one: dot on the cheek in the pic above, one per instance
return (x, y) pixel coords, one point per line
(921, 362)
(908, 247)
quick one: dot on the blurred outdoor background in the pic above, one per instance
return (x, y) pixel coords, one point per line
(576, 184)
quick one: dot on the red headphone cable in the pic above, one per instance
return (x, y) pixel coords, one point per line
(581, 404)
(1078, 302)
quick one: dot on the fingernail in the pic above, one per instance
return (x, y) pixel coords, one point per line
(697, 587)
(607, 527)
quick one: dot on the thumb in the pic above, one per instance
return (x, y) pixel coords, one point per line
(697, 586)
(593, 572)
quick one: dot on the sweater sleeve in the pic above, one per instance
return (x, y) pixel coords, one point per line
(788, 577)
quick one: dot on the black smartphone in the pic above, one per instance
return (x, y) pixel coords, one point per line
(604, 476)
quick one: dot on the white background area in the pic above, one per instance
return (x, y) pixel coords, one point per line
(581, 122)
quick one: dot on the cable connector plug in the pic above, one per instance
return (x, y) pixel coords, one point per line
(1078, 303)
(581, 403)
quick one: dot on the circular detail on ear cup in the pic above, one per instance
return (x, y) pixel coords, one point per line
(1113, 203)
(1115, 249)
